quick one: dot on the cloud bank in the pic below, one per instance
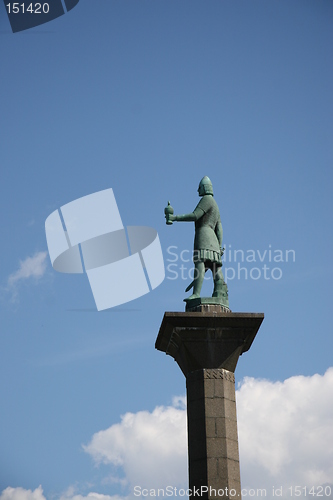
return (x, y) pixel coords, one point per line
(22, 494)
(284, 433)
(285, 438)
(37, 494)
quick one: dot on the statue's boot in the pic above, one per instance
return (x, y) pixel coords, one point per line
(191, 297)
(197, 282)
(196, 291)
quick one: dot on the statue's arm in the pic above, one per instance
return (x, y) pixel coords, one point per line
(219, 232)
(192, 217)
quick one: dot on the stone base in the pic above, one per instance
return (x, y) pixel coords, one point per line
(206, 305)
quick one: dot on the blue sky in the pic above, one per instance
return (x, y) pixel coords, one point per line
(147, 97)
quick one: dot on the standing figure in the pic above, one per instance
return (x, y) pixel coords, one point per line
(208, 251)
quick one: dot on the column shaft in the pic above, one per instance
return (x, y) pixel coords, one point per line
(212, 433)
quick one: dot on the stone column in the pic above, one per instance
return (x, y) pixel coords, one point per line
(212, 433)
(206, 344)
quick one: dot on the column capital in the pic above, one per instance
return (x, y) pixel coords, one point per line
(207, 339)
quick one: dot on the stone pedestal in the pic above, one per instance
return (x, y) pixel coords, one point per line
(206, 345)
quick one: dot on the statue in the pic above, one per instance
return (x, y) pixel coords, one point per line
(207, 253)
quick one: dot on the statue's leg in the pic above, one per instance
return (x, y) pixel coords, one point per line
(220, 287)
(198, 278)
(218, 282)
(199, 274)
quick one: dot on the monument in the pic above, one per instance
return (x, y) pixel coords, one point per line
(206, 341)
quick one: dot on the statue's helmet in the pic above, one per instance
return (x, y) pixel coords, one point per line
(205, 186)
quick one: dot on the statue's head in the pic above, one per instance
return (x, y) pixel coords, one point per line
(205, 186)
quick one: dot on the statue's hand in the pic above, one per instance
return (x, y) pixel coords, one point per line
(170, 217)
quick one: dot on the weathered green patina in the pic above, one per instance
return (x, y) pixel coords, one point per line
(207, 253)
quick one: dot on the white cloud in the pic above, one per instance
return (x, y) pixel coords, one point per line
(93, 496)
(150, 447)
(22, 494)
(70, 494)
(37, 494)
(32, 267)
(284, 431)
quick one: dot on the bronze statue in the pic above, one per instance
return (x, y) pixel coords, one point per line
(208, 251)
